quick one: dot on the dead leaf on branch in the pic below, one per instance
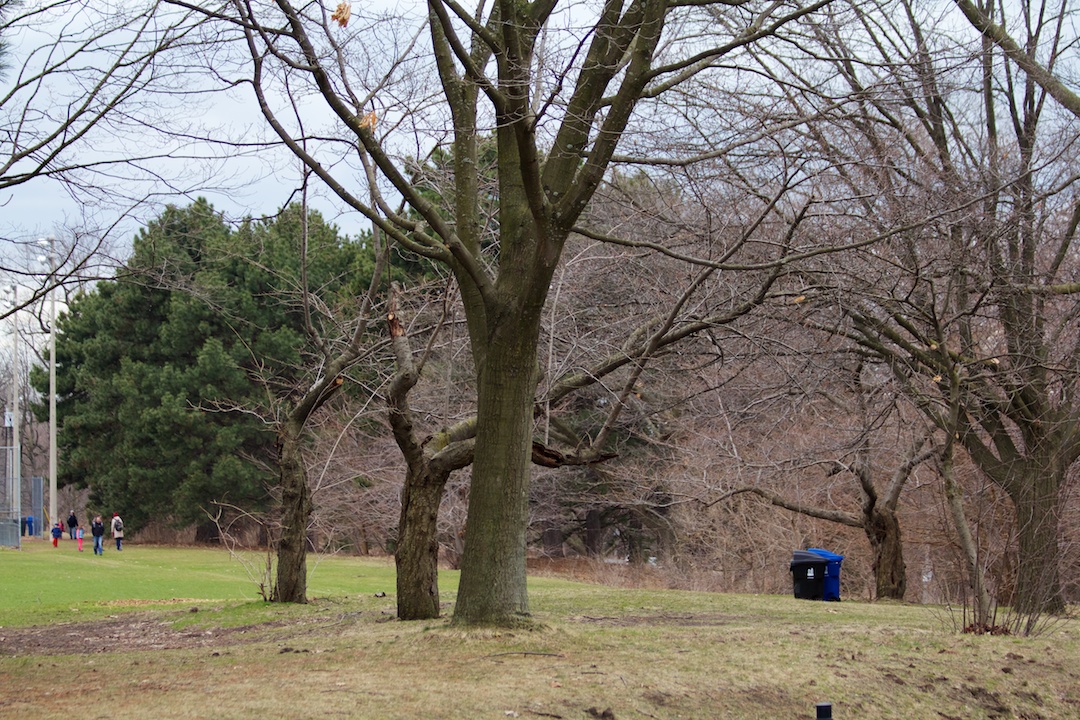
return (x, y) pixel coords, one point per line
(342, 14)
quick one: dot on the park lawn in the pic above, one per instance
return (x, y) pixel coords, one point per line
(42, 584)
(597, 652)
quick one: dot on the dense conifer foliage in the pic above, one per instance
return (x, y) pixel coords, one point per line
(163, 371)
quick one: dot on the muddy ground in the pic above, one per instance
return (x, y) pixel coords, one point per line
(131, 632)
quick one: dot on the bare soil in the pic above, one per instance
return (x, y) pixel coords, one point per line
(144, 631)
(148, 631)
(137, 631)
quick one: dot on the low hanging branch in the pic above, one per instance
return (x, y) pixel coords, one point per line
(549, 457)
(837, 516)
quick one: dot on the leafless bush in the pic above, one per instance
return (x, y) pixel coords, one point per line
(232, 524)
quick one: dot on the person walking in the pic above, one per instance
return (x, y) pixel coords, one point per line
(79, 536)
(118, 530)
(73, 522)
(57, 533)
(97, 529)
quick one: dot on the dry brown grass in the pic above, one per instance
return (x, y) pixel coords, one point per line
(600, 652)
(631, 654)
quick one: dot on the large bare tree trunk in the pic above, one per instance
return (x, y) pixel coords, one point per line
(492, 589)
(890, 572)
(1038, 581)
(291, 582)
(1033, 482)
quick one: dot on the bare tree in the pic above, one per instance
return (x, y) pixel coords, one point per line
(965, 301)
(981, 17)
(83, 81)
(555, 130)
(337, 351)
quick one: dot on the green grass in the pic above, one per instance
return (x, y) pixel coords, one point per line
(638, 653)
(42, 584)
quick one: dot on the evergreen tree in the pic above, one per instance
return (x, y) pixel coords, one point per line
(162, 372)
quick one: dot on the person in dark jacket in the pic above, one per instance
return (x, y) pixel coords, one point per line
(97, 529)
(73, 522)
(57, 533)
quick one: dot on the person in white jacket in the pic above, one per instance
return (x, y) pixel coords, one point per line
(118, 530)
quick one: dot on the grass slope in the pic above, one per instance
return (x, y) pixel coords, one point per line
(179, 633)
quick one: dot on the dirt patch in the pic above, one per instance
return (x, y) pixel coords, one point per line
(990, 701)
(132, 632)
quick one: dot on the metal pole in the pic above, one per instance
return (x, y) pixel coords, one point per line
(50, 242)
(15, 472)
(52, 389)
(16, 435)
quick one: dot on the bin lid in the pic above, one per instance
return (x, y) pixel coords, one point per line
(804, 557)
(830, 556)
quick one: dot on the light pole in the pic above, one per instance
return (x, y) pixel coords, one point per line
(16, 454)
(50, 243)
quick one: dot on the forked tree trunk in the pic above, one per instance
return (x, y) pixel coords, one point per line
(429, 463)
(1033, 483)
(417, 554)
(291, 582)
(890, 572)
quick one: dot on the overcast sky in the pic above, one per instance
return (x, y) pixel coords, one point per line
(43, 207)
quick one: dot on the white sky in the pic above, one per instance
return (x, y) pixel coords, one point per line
(44, 206)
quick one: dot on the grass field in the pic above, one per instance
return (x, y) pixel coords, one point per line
(180, 633)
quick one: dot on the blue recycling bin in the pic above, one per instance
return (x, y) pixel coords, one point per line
(832, 573)
(816, 574)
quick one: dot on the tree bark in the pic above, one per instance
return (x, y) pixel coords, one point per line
(417, 554)
(976, 574)
(291, 581)
(1038, 582)
(429, 465)
(492, 587)
(594, 533)
(890, 572)
(1033, 478)
(881, 524)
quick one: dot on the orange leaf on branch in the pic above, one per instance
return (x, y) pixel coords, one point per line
(342, 13)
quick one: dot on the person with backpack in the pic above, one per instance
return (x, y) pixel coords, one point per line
(97, 529)
(118, 530)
